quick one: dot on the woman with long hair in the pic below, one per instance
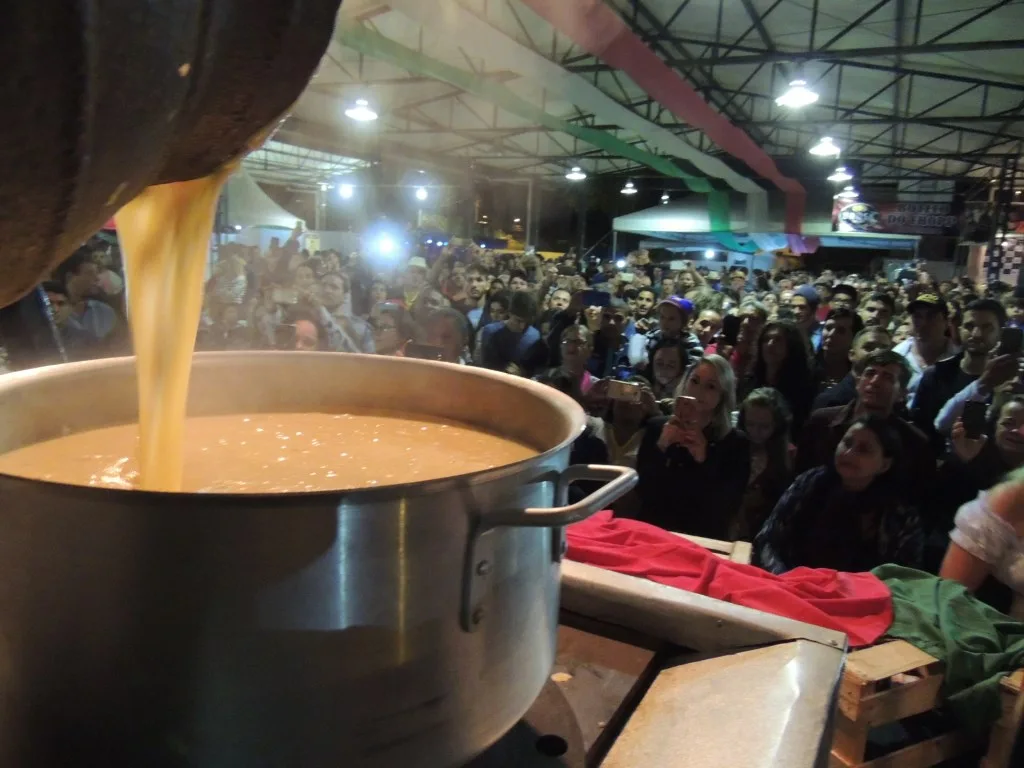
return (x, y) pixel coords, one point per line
(783, 363)
(765, 419)
(847, 516)
(688, 463)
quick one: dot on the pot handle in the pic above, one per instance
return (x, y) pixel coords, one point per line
(617, 482)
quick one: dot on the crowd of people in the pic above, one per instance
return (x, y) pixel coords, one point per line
(836, 420)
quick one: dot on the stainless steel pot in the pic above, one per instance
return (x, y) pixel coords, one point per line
(408, 625)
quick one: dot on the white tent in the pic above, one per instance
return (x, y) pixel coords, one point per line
(253, 211)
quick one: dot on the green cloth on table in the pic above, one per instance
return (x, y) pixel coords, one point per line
(978, 644)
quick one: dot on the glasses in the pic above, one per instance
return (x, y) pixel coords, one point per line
(617, 317)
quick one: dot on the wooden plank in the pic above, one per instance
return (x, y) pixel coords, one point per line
(901, 701)
(715, 545)
(742, 552)
(924, 753)
(1013, 682)
(881, 662)
(849, 740)
(1004, 733)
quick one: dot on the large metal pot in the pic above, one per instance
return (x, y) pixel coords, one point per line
(106, 98)
(409, 625)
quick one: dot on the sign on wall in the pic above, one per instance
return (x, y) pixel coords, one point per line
(935, 218)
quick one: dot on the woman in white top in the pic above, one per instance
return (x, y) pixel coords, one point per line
(988, 540)
(622, 427)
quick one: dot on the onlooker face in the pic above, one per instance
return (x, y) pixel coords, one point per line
(504, 277)
(686, 282)
(443, 332)
(737, 283)
(560, 300)
(499, 313)
(785, 284)
(229, 317)
(786, 299)
(979, 333)
(759, 423)
(668, 286)
(304, 279)
(576, 349)
(644, 303)
(518, 284)
(307, 339)
(841, 301)
(902, 333)
(1015, 313)
(60, 307)
(497, 286)
(774, 347)
(671, 321)
(709, 323)
(667, 365)
(874, 312)
(874, 341)
(879, 388)
(378, 293)
(859, 457)
(385, 335)
(476, 284)
(1010, 431)
(332, 291)
(414, 278)
(928, 326)
(84, 283)
(613, 321)
(751, 324)
(705, 386)
(802, 313)
(837, 337)
(517, 324)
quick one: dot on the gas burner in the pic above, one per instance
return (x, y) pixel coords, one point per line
(548, 736)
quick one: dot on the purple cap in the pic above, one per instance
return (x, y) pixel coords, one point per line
(683, 305)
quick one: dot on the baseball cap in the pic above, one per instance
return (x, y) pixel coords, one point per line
(929, 301)
(417, 261)
(683, 305)
(808, 292)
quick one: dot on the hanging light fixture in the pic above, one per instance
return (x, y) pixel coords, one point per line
(346, 191)
(421, 193)
(825, 148)
(840, 174)
(797, 95)
(709, 253)
(361, 112)
(664, 198)
(848, 193)
(576, 174)
(629, 189)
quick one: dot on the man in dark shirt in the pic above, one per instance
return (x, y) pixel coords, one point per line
(882, 378)
(979, 335)
(611, 352)
(514, 346)
(871, 339)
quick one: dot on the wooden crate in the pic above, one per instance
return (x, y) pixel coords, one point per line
(884, 684)
(1000, 744)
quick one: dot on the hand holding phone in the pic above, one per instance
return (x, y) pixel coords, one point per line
(685, 411)
(625, 391)
(974, 419)
(1011, 340)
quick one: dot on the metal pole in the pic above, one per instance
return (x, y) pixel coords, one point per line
(529, 214)
(583, 222)
(615, 244)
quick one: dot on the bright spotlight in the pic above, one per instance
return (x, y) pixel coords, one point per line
(346, 191)
(621, 263)
(386, 245)
(361, 112)
(430, 242)
(709, 253)
(421, 193)
(238, 227)
(797, 95)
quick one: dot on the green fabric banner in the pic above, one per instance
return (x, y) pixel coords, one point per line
(375, 45)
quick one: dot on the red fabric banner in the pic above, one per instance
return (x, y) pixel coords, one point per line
(858, 604)
(597, 29)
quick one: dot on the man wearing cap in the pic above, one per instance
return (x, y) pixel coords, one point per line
(804, 304)
(414, 279)
(674, 313)
(928, 343)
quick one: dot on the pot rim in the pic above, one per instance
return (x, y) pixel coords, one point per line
(20, 379)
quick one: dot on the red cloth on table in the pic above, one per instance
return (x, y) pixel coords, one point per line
(858, 604)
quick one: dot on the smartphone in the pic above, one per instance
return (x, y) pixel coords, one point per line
(1010, 341)
(285, 296)
(974, 419)
(596, 299)
(424, 351)
(626, 391)
(731, 329)
(685, 409)
(627, 277)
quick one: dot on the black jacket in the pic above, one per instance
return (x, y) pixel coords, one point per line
(679, 494)
(841, 394)
(938, 384)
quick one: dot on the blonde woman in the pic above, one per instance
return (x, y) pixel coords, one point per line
(693, 465)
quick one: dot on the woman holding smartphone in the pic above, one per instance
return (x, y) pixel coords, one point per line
(692, 465)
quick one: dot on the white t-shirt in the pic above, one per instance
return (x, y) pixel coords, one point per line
(992, 540)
